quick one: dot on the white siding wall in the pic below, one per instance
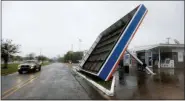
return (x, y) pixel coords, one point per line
(178, 50)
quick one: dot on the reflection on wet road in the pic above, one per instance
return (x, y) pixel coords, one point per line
(15, 80)
(58, 81)
(55, 81)
(166, 84)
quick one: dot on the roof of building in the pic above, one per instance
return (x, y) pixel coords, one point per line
(148, 47)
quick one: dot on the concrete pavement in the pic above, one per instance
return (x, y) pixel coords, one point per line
(166, 84)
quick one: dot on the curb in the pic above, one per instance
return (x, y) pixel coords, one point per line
(10, 74)
(101, 88)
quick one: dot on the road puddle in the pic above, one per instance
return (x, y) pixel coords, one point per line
(166, 84)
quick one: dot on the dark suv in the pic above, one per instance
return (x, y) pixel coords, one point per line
(29, 66)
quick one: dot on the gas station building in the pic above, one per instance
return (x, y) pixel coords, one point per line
(160, 55)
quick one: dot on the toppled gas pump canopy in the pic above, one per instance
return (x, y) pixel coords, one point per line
(103, 57)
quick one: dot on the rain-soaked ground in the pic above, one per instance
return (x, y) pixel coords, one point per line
(58, 81)
(166, 84)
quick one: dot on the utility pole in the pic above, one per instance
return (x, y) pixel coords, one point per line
(168, 38)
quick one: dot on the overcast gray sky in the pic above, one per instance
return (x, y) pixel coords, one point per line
(53, 26)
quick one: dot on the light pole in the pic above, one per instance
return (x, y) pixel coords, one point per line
(71, 52)
(71, 47)
(79, 43)
(40, 51)
(41, 56)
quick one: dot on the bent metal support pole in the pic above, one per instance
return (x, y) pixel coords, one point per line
(138, 60)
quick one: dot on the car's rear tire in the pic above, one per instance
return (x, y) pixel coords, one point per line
(39, 69)
(20, 72)
(34, 70)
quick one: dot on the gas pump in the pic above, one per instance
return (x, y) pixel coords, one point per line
(126, 62)
(144, 66)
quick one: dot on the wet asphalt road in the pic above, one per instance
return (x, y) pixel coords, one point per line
(55, 81)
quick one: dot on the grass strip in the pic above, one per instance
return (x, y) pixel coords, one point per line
(11, 69)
